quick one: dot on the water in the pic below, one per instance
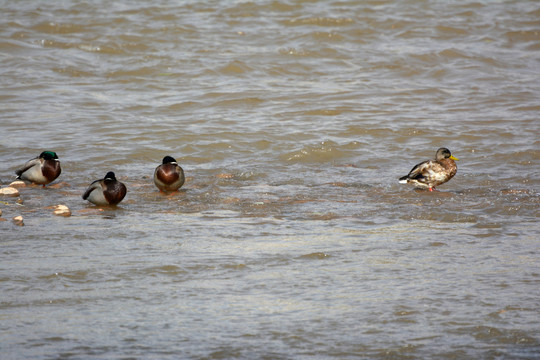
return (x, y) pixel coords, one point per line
(291, 237)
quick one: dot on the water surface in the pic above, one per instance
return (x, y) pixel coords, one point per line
(291, 237)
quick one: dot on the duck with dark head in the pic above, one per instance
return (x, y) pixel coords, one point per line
(169, 176)
(41, 170)
(106, 191)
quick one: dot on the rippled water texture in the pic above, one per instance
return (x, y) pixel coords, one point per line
(291, 237)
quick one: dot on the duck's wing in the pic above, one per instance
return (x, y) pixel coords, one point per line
(29, 164)
(96, 185)
(418, 171)
(427, 172)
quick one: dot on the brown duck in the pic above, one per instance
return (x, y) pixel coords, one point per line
(106, 191)
(431, 173)
(169, 176)
(41, 170)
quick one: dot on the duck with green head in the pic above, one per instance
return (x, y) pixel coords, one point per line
(106, 191)
(41, 170)
(169, 176)
(431, 173)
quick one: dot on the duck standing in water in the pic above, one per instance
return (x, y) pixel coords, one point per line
(431, 173)
(41, 170)
(106, 191)
(169, 176)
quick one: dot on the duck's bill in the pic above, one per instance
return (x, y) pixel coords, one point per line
(454, 158)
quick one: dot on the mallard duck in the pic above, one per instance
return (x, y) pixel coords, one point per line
(431, 173)
(169, 176)
(106, 191)
(41, 170)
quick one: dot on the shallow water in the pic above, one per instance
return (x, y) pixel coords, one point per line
(291, 237)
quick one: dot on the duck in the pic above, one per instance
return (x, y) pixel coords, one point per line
(41, 170)
(431, 173)
(106, 191)
(169, 176)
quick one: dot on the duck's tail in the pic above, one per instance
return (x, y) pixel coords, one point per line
(404, 179)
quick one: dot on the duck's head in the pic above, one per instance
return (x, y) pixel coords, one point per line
(168, 160)
(110, 176)
(48, 155)
(444, 153)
